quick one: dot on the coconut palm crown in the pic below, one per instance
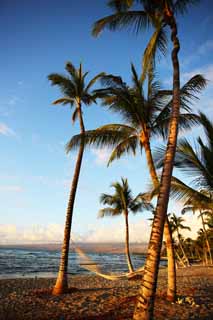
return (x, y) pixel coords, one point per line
(144, 116)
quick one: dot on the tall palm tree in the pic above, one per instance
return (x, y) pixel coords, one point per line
(177, 225)
(145, 118)
(75, 93)
(152, 13)
(121, 202)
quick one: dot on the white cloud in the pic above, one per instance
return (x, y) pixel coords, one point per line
(101, 155)
(5, 130)
(10, 234)
(206, 71)
(114, 231)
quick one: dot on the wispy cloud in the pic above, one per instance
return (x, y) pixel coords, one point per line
(203, 50)
(5, 130)
(115, 232)
(206, 71)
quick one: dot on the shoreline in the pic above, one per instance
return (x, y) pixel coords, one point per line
(94, 298)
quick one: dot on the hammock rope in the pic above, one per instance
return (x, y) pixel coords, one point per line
(88, 264)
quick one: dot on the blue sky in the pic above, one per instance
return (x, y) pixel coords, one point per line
(37, 38)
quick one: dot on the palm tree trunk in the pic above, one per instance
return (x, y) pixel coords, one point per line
(183, 251)
(150, 162)
(145, 300)
(180, 259)
(206, 238)
(61, 285)
(171, 287)
(129, 262)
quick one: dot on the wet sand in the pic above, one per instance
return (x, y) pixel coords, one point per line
(93, 298)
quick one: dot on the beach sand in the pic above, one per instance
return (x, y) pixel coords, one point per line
(94, 298)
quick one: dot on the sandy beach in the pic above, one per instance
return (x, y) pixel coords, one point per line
(92, 297)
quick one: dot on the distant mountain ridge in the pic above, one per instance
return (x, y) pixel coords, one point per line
(87, 247)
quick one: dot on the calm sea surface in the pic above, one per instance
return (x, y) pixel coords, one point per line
(16, 263)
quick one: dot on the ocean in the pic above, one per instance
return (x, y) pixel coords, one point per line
(17, 263)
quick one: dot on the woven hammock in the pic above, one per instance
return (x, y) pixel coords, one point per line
(88, 264)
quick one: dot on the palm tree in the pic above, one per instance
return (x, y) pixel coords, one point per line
(75, 93)
(121, 202)
(176, 226)
(154, 13)
(145, 118)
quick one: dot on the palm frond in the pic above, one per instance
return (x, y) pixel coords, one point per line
(111, 82)
(128, 145)
(110, 212)
(191, 89)
(182, 6)
(71, 70)
(74, 115)
(190, 162)
(120, 5)
(137, 20)
(186, 122)
(208, 129)
(141, 202)
(157, 44)
(64, 101)
(94, 80)
(62, 82)
(106, 199)
(158, 156)
(135, 79)
(187, 194)
(100, 138)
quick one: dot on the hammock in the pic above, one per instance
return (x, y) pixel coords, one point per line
(88, 264)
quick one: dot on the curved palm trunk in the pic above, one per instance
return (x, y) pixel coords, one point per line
(129, 262)
(171, 273)
(206, 238)
(145, 300)
(61, 285)
(171, 287)
(180, 259)
(182, 249)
